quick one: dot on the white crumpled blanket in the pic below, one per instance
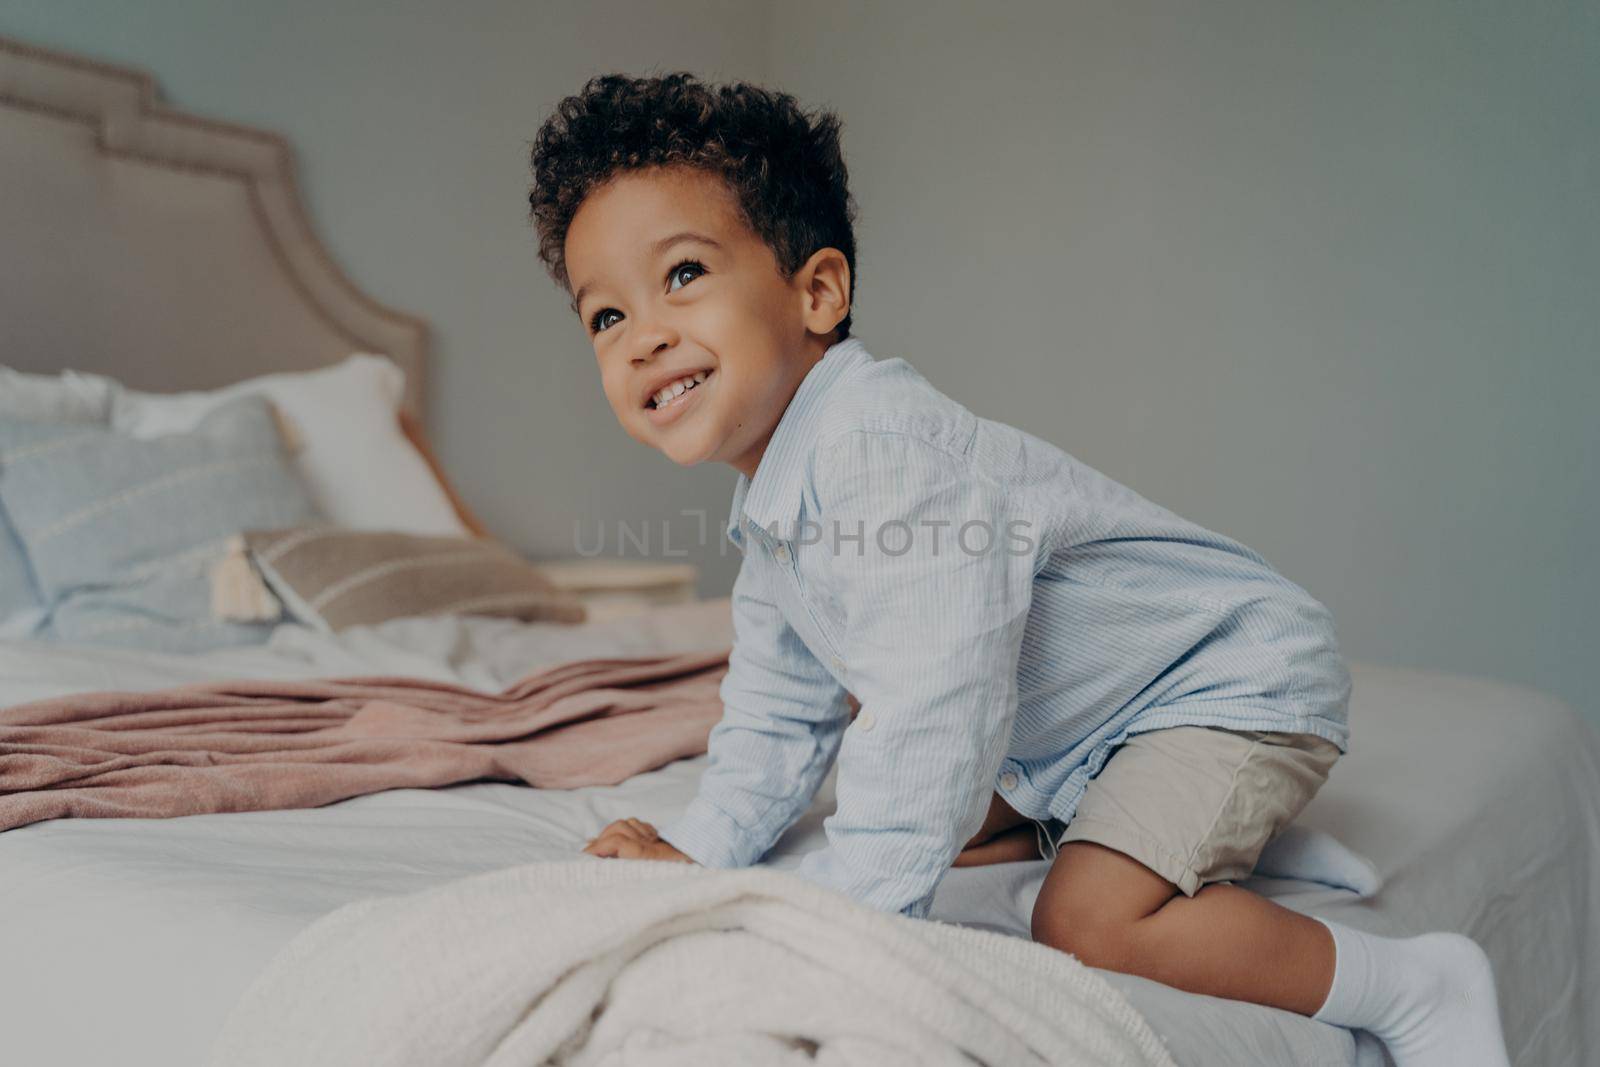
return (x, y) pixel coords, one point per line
(626, 962)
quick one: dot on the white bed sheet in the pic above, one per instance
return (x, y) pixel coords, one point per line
(127, 941)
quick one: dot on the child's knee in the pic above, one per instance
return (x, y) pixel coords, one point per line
(1097, 938)
(1078, 916)
(1092, 902)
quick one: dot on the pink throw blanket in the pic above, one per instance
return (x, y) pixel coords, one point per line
(255, 745)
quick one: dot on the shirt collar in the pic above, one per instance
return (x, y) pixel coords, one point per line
(772, 498)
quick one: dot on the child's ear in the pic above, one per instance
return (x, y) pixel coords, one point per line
(824, 286)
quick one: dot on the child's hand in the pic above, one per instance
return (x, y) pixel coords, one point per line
(633, 839)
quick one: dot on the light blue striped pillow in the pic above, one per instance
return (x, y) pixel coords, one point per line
(65, 397)
(19, 603)
(121, 533)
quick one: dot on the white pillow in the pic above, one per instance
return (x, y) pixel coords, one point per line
(361, 470)
(65, 397)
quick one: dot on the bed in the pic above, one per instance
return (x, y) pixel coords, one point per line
(140, 242)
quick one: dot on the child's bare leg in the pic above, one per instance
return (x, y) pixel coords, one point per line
(1430, 998)
(1007, 846)
(1216, 796)
(1113, 912)
(1006, 836)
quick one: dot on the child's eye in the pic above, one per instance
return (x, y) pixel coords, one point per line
(681, 266)
(594, 323)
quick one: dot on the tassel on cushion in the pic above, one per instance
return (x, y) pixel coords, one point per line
(238, 593)
(287, 430)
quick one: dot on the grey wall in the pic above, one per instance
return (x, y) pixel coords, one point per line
(1318, 276)
(1323, 277)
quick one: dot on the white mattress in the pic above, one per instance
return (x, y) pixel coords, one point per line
(127, 941)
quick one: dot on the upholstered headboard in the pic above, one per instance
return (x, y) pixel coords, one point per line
(168, 251)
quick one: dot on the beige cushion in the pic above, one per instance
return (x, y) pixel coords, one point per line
(334, 577)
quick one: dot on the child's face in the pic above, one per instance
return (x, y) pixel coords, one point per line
(729, 313)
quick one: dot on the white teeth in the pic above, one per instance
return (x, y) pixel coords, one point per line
(671, 392)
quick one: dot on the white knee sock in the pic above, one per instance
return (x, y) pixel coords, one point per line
(1430, 999)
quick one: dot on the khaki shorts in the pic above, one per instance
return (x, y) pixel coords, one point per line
(1197, 804)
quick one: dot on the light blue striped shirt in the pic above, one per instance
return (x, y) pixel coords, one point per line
(1004, 614)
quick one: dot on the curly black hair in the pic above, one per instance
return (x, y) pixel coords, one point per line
(784, 166)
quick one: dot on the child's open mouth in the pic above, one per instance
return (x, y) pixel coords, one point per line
(675, 398)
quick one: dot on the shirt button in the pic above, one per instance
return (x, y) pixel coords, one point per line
(1008, 781)
(864, 719)
(782, 552)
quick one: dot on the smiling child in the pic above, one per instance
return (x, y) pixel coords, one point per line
(1033, 648)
